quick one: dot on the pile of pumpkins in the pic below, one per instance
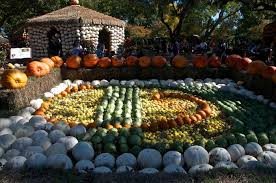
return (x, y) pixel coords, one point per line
(17, 79)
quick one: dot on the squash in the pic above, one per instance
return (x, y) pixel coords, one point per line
(270, 147)
(57, 60)
(232, 60)
(172, 168)
(117, 62)
(158, 61)
(144, 61)
(149, 158)
(236, 151)
(77, 131)
(214, 61)
(268, 158)
(196, 155)
(83, 151)
(218, 154)
(200, 61)
(180, 61)
(90, 60)
(105, 159)
(59, 161)
(102, 170)
(243, 64)
(269, 71)
(104, 62)
(172, 157)
(48, 61)
(226, 165)
(126, 159)
(202, 168)
(14, 79)
(132, 61)
(253, 149)
(245, 160)
(84, 165)
(256, 67)
(149, 171)
(38, 69)
(124, 169)
(73, 62)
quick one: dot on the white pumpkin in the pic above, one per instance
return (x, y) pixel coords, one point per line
(15, 119)
(149, 158)
(253, 149)
(59, 161)
(226, 165)
(201, 168)
(2, 163)
(17, 162)
(31, 150)
(36, 161)
(172, 157)
(6, 141)
(83, 151)
(102, 169)
(196, 155)
(44, 142)
(22, 143)
(5, 123)
(149, 171)
(270, 147)
(126, 159)
(105, 159)
(37, 120)
(6, 131)
(84, 166)
(1, 152)
(25, 131)
(245, 159)
(173, 168)
(268, 158)
(11, 154)
(69, 142)
(77, 131)
(55, 135)
(57, 148)
(218, 154)
(123, 169)
(62, 126)
(39, 134)
(236, 151)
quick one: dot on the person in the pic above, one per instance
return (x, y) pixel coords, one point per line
(55, 45)
(77, 49)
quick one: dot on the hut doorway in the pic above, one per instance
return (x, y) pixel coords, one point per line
(105, 40)
(54, 40)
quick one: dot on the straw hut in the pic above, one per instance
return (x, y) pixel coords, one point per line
(74, 24)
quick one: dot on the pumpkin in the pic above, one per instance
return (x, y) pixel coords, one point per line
(149, 171)
(73, 62)
(48, 61)
(245, 160)
(104, 62)
(243, 63)
(256, 67)
(123, 169)
(74, 2)
(132, 61)
(196, 155)
(200, 61)
(117, 62)
(172, 168)
(231, 60)
(226, 165)
(105, 159)
(38, 69)
(236, 151)
(269, 71)
(102, 170)
(126, 159)
(158, 61)
(90, 60)
(197, 169)
(172, 157)
(268, 158)
(253, 149)
(219, 154)
(83, 151)
(214, 61)
(180, 61)
(149, 158)
(270, 147)
(57, 60)
(274, 78)
(144, 61)
(14, 79)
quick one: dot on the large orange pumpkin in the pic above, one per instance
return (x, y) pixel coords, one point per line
(269, 71)
(48, 61)
(104, 62)
(243, 64)
(73, 62)
(231, 60)
(256, 67)
(14, 79)
(57, 60)
(144, 61)
(200, 61)
(158, 61)
(180, 61)
(214, 61)
(117, 62)
(132, 61)
(90, 60)
(37, 69)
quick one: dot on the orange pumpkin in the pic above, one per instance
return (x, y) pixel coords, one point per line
(200, 61)
(256, 67)
(14, 79)
(57, 60)
(180, 61)
(269, 71)
(144, 61)
(73, 62)
(90, 60)
(117, 62)
(104, 62)
(214, 61)
(158, 61)
(132, 61)
(48, 61)
(37, 69)
(243, 63)
(231, 60)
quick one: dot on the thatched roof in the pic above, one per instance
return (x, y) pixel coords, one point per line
(75, 14)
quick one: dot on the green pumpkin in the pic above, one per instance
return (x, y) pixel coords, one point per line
(210, 144)
(241, 139)
(231, 139)
(134, 140)
(221, 142)
(251, 138)
(262, 138)
(123, 148)
(110, 148)
(135, 150)
(109, 138)
(96, 139)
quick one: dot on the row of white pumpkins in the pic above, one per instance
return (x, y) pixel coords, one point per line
(226, 85)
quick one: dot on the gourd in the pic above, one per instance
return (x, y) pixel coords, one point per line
(214, 61)
(180, 61)
(104, 62)
(226, 164)
(123, 169)
(256, 67)
(270, 147)
(90, 60)
(173, 168)
(38, 69)
(268, 158)
(14, 79)
(158, 61)
(172, 157)
(144, 61)
(84, 165)
(201, 168)
(58, 61)
(48, 61)
(253, 149)
(83, 151)
(196, 155)
(105, 159)
(244, 160)
(149, 158)
(102, 169)
(126, 159)
(59, 161)
(200, 61)
(132, 61)
(236, 151)
(73, 62)
(218, 154)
